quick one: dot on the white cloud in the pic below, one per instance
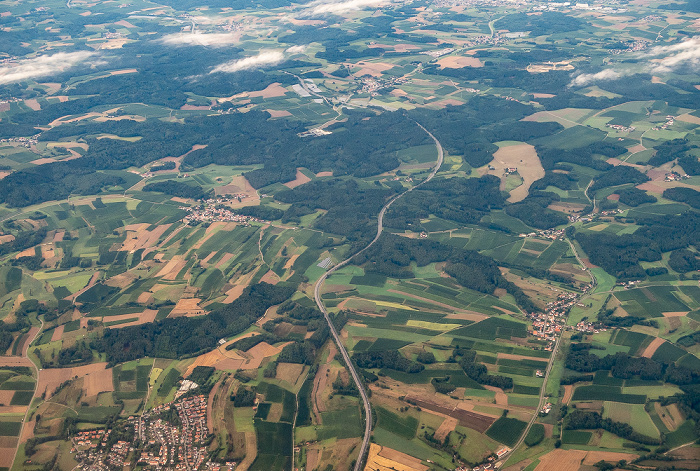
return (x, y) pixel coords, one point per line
(585, 79)
(42, 66)
(296, 49)
(263, 59)
(200, 39)
(686, 53)
(321, 7)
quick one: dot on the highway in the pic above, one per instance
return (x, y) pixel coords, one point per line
(336, 337)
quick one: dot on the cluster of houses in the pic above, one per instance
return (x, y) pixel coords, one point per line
(316, 132)
(669, 122)
(213, 211)
(163, 442)
(439, 52)
(549, 324)
(92, 452)
(23, 141)
(372, 85)
(546, 409)
(636, 46)
(491, 462)
(593, 217)
(620, 128)
(552, 234)
(177, 446)
(675, 176)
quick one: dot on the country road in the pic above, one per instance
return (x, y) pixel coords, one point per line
(334, 332)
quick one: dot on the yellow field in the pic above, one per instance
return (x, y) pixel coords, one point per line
(153, 377)
(432, 325)
(394, 305)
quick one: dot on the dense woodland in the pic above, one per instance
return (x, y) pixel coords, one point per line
(620, 255)
(457, 199)
(186, 336)
(624, 366)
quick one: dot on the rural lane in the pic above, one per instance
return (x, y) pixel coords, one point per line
(334, 332)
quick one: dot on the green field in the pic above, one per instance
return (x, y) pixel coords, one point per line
(632, 414)
(506, 430)
(606, 393)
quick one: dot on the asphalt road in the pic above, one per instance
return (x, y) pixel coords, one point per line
(334, 332)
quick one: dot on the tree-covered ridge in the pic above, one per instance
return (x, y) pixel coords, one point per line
(457, 199)
(620, 255)
(182, 336)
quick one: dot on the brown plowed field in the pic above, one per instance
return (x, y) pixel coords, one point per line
(472, 420)
(97, 382)
(651, 348)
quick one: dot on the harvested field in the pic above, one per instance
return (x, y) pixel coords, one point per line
(298, 181)
(501, 397)
(567, 207)
(210, 405)
(561, 460)
(15, 361)
(121, 281)
(217, 359)
(525, 159)
(138, 237)
(313, 456)
(172, 268)
(239, 185)
(270, 277)
(386, 459)
(594, 456)
(234, 293)
(457, 62)
(374, 69)
(149, 315)
(651, 348)
(187, 307)
(320, 384)
(273, 90)
(33, 104)
(224, 260)
(57, 333)
(279, 113)
(675, 314)
(97, 382)
(568, 392)
(289, 372)
(6, 457)
(688, 118)
(669, 415)
(258, 353)
(445, 428)
(324, 174)
(50, 379)
(31, 335)
(6, 396)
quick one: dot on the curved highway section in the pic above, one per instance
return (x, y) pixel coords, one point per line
(334, 332)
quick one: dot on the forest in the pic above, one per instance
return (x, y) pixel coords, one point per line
(186, 336)
(457, 199)
(624, 366)
(620, 255)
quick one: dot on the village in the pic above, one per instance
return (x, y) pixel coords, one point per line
(215, 210)
(170, 436)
